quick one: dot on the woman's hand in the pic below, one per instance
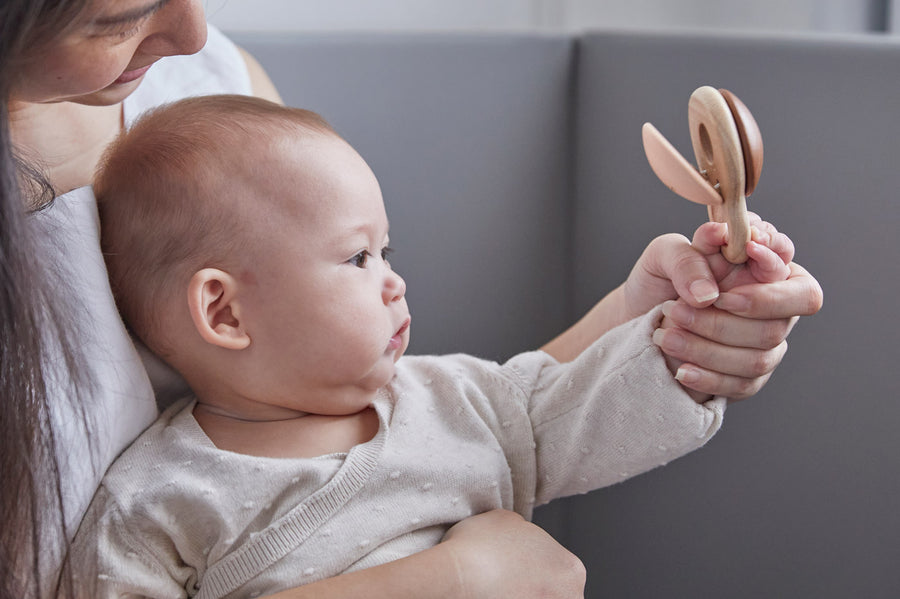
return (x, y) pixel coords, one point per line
(695, 271)
(495, 554)
(499, 554)
(733, 346)
(725, 331)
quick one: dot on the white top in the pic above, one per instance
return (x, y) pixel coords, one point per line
(123, 403)
(178, 517)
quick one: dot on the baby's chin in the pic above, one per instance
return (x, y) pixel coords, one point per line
(383, 373)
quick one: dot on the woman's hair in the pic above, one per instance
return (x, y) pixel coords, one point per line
(33, 326)
(172, 192)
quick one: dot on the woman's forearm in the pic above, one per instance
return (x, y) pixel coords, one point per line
(604, 316)
(494, 554)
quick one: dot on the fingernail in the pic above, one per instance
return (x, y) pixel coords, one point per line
(667, 307)
(733, 303)
(673, 343)
(686, 375)
(704, 290)
(682, 314)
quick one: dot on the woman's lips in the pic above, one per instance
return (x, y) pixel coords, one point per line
(129, 76)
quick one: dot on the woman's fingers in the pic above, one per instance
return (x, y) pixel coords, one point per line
(799, 295)
(670, 267)
(732, 347)
(706, 383)
(711, 367)
(688, 270)
(719, 326)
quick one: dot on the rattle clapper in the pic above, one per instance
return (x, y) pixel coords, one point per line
(729, 152)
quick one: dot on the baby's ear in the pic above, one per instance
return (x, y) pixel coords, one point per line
(215, 310)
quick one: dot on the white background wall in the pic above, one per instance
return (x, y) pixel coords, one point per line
(572, 15)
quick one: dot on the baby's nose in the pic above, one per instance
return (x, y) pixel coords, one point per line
(394, 288)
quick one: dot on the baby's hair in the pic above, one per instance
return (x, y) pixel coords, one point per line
(196, 150)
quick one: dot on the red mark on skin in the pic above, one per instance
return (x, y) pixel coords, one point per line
(248, 278)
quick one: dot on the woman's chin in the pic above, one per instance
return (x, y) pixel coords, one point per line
(112, 94)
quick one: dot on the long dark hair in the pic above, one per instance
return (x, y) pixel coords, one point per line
(33, 326)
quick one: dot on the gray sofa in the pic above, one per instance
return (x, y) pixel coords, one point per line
(518, 193)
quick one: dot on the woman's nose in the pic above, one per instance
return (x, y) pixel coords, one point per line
(394, 288)
(178, 28)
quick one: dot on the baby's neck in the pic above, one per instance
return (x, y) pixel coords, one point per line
(293, 436)
(284, 414)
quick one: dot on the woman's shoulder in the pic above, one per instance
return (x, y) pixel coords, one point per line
(219, 68)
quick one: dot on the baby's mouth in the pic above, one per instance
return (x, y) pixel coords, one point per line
(403, 327)
(397, 340)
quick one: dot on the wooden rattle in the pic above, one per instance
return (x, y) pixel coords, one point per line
(729, 152)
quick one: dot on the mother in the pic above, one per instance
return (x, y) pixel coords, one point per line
(73, 73)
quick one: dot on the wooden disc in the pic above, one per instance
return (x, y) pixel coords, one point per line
(751, 139)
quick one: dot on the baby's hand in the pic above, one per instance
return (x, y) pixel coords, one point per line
(769, 253)
(715, 352)
(673, 267)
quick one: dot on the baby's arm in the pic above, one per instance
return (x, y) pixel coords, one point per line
(482, 557)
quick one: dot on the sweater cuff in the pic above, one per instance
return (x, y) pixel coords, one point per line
(651, 321)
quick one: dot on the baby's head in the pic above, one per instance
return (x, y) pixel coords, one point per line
(246, 244)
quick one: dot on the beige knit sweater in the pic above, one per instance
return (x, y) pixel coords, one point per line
(177, 517)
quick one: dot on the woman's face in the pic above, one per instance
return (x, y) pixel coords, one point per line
(104, 58)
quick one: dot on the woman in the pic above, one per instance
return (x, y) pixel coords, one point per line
(72, 395)
(73, 73)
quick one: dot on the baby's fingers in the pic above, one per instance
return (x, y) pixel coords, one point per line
(766, 265)
(710, 237)
(766, 234)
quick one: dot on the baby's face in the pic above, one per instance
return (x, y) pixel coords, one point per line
(326, 311)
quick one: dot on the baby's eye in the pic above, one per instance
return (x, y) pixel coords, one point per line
(385, 252)
(361, 259)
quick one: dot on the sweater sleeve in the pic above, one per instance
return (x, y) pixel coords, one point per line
(614, 412)
(122, 561)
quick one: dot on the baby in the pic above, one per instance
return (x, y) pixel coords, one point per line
(309, 446)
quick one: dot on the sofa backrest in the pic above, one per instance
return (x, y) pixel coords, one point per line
(795, 496)
(479, 211)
